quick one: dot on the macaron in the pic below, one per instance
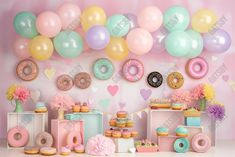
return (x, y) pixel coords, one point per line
(177, 106)
(162, 131)
(181, 132)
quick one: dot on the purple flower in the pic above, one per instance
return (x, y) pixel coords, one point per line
(216, 111)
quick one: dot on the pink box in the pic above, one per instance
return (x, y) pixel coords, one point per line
(61, 128)
(166, 143)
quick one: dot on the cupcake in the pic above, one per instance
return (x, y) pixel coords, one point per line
(108, 133)
(129, 123)
(134, 134)
(126, 134)
(40, 107)
(112, 122)
(85, 108)
(79, 149)
(181, 132)
(162, 131)
(116, 134)
(121, 124)
(76, 107)
(121, 114)
(177, 106)
(65, 151)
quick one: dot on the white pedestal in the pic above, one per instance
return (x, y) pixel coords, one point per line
(123, 145)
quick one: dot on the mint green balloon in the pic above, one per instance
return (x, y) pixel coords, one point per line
(118, 25)
(196, 44)
(178, 43)
(24, 24)
(176, 18)
(68, 44)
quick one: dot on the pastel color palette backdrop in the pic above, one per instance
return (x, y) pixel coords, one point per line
(128, 96)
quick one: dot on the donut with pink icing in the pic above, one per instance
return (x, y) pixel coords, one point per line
(18, 136)
(197, 68)
(73, 139)
(138, 68)
(201, 143)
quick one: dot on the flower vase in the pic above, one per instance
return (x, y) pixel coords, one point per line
(202, 104)
(18, 107)
(60, 114)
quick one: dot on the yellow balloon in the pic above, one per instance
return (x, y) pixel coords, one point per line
(117, 49)
(41, 48)
(91, 16)
(204, 21)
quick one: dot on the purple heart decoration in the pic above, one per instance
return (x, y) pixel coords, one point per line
(145, 93)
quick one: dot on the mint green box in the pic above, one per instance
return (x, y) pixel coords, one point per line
(192, 121)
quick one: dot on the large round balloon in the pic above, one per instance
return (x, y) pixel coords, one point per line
(118, 25)
(139, 41)
(69, 14)
(117, 49)
(48, 24)
(41, 48)
(150, 18)
(92, 16)
(132, 20)
(21, 48)
(68, 44)
(159, 37)
(204, 21)
(24, 24)
(218, 41)
(196, 44)
(97, 37)
(176, 18)
(178, 43)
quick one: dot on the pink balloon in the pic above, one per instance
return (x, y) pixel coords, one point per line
(21, 48)
(81, 32)
(150, 18)
(48, 24)
(139, 41)
(69, 14)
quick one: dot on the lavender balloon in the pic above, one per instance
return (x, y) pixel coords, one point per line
(97, 37)
(159, 39)
(218, 41)
(132, 20)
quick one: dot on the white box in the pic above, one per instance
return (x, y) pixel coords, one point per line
(35, 123)
(123, 145)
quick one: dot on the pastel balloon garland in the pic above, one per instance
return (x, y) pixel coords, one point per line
(70, 31)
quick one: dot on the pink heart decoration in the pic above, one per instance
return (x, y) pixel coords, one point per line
(145, 93)
(113, 89)
(225, 78)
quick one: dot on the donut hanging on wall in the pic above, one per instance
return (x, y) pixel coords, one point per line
(27, 70)
(155, 79)
(197, 68)
(64, 82)
(133, 70)
(175, 80)
(82, 80)
(103, 69)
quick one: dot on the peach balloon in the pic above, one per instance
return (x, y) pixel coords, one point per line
(139, 41)
(81, 32)
(48, 24)
(69, 14)
(150, 18)
(21, 48)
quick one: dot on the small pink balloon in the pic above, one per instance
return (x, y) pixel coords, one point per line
(21, 48)
(48, 24)
(81, 32)
(150, 18)
(139, 41)
(69, 14)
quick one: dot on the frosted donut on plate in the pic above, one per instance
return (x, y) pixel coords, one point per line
(64, 82)
(30, 150)
(27, 70)
(82, 80)
(44, 139)
(48, 151)
(18, 136)
(135, 65)
(197, 68)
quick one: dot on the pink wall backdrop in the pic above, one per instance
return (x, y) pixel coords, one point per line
(128, 95)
